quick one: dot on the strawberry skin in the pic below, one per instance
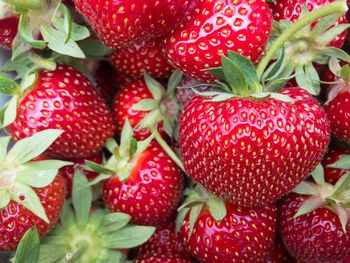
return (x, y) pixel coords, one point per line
(315, 237)
(250, 151)
(291, 9)
(338, 111)
(15, 220)
(332, 175)
(215, 28)
(8, 31)
(147, 55)
(280, 254)
(123, 23)
(244, 235)
(160, 258)
(152, 192)
(65, 99)
(127, 97)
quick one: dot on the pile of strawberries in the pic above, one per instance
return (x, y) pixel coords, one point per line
(175, 131)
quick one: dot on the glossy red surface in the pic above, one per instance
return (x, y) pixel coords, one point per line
(244, 235)
(65, 99)
(251, 152)
(160, 258)
(15, 220)
(216, 27)
(316, 237)
(8, 31)
(152, 192)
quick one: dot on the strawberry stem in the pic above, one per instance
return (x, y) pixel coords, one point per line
(26, 4)
(338, 7)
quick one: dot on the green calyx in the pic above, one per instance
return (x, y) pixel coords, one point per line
(26, 4)
(303, 46)
(164, 107)
(196, 199)
(19, 174)
(322, 194)
(123, 156)
(85, 236)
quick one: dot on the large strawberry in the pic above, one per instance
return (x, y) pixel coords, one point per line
(251, 147)
(280, 254)
(315, 220)
(213, 231)
(145, 56)
(31, 191)
(65, 99)
(123, 23)
(161, 258)
(148, 105)
(215, 28)
(140, 180)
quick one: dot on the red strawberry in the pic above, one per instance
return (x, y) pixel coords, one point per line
(164, 241)
(105, 83)
(252, 151)
(332, 175)
(68, 172)
(160, 258)
(123, 23)
(215, 28)
(147, 55)
(8, 31)
(244, 235)
(280, 254)
(65, 99)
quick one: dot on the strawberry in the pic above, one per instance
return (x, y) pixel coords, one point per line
(213, 231)
(8, 31)
(104, 83)
(215, 28)
(68, 171)
(145, 56)
(252, 150)
(164, 241)
(280, 254)
(314, 220)
(147, 105)
(140, 180)
(331, 174)
(63, 98)
(124, 23)
(161, 258)
(32, 192)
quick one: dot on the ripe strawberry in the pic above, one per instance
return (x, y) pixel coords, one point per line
(124, 23)
(215, 28)
(32, 192)
(160, 111)
(280, 254)
(161, 258)
(145, 56)
(68, 171)
(241, 234)
(252, 151)
(332, 175)
(164, 241)
(65, 99)
(8, 31)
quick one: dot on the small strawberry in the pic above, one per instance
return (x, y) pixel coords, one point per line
(140, 180)
(145, 56)
(161, 258)
(314, 220)
(213, 231)
(332, 174)
(147, 105)
(215, 28)
(65, 99)
(123, 23)
(247, 146)
(280, 254)
(8, 31)
(31, 191)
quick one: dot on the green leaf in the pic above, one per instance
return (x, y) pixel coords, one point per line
(273, 71)
(324, 24)
(312, 75)
(4, 143)
(53, 253)
(25, 32)
(8, 112)
(217, 208)
(129, 236)
(127, 134)
(26, 196)
(132, 147)
(174, 81)
(222, 97)
(154, 87)
(345, 72)
(67, 215)
(151, 119)
(40, 173)
(180, 218)
(67, 21)
(115, 221)
(98, 167)
(343, 163)
(234, 76)
(309, 205)
(111, 145)
(142, 145)
(306, 188)
(94, 48)
(27, 149)
(318, 174)
(98, 179)
(281, 97)
(194, 214)
(19, 47)
(81, 197)
(56, 39)
(337, 53)
(146, 105)
(303, 80)
(216, 72)
(8, 86)
(78, 32)
(25, 4)
(29, 247)
(168, 127)
(332, 33)
(5, 198)
(341, 185)
(343, 216)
